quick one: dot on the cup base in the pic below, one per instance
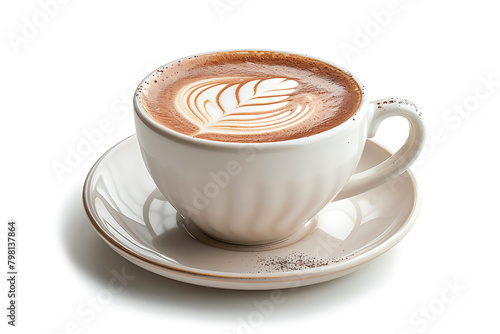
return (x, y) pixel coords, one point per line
(196, 233)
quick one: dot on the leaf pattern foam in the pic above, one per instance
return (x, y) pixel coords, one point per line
(242, 105)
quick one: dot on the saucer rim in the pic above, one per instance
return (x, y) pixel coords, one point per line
(334, 269)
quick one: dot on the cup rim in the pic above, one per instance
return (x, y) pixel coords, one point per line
(180, 137)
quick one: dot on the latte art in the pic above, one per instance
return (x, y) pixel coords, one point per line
(243, 105)
(249, 96)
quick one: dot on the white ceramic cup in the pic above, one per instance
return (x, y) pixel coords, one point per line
(258, 193)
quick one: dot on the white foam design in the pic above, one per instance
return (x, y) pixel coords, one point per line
(242, 105)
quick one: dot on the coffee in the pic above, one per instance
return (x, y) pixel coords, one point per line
(250, 96)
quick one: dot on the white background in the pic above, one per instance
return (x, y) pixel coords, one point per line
(79, 67)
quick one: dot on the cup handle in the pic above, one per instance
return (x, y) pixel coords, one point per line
(400, 161)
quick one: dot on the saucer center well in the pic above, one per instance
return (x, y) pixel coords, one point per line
(196, 233)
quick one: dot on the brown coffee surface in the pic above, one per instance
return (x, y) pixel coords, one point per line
(250, 96)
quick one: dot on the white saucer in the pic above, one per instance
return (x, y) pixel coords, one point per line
(130, 214)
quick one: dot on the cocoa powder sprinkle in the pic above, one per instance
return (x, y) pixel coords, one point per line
(296, 261)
